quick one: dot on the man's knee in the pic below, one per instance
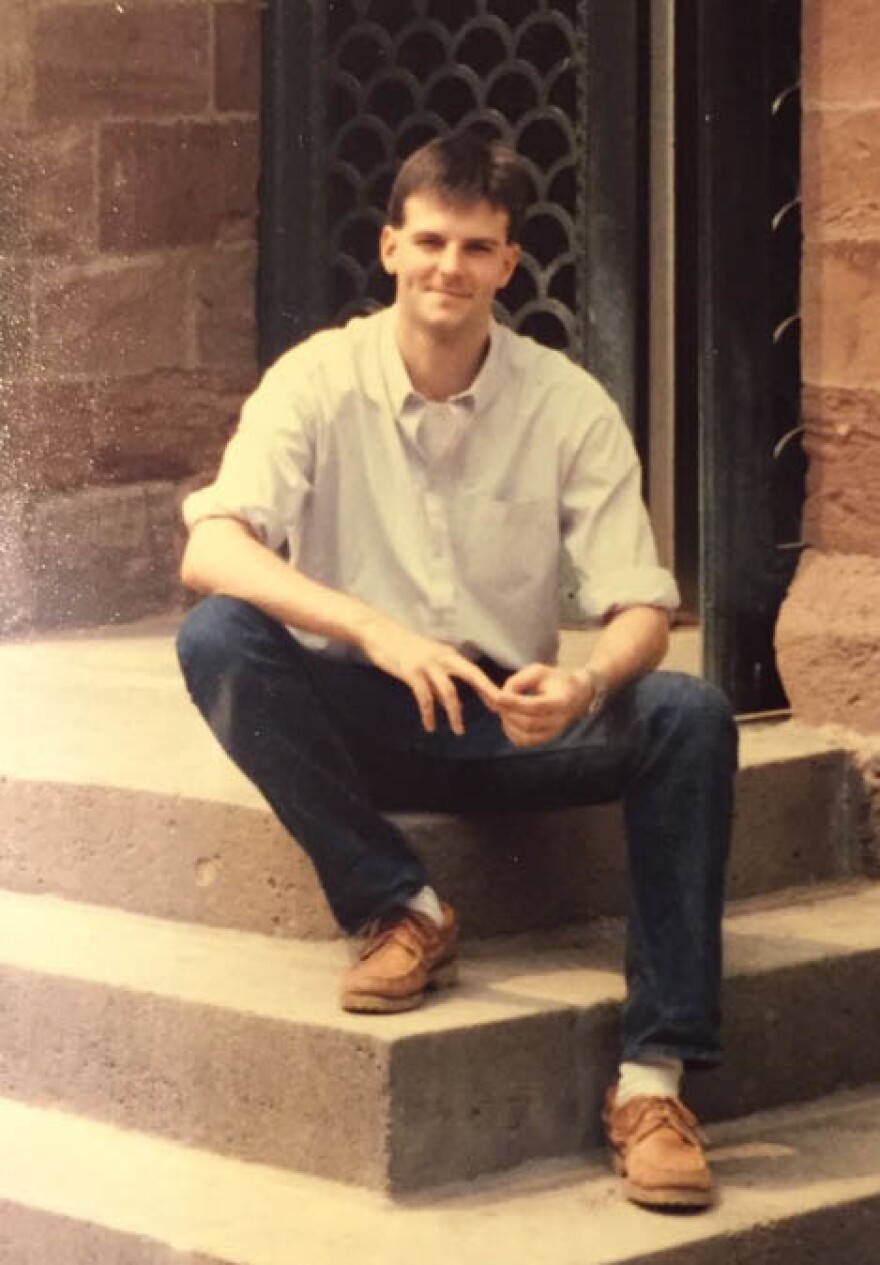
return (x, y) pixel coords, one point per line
(222, 635)
(208, 633)
(699, 699)
(693, 707)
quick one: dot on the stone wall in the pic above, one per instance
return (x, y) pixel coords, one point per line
(128, 197)
(828, 636)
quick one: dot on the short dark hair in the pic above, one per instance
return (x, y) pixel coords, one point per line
(465, 167)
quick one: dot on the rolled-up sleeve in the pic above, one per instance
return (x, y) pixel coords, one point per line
(605, 525)
(267, 468)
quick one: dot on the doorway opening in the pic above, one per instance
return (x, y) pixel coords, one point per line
(661, 251)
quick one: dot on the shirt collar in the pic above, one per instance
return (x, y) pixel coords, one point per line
(402, 394)
(397, 382)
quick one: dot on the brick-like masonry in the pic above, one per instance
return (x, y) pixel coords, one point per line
(828, 636)
(129, 163)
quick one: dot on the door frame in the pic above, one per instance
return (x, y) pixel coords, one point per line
(738, 302)
(739, 482)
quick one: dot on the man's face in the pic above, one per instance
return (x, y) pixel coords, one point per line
(449, 260)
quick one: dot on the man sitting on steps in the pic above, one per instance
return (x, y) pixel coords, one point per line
(421, 470)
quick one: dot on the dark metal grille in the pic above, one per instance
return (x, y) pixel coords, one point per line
(399, 74)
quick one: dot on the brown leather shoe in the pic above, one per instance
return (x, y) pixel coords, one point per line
(656, 1148)
(404, 954)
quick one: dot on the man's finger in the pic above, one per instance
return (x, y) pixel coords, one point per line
(526, 679)
(522, 730)
(477, 679)
(531, 733)
(527, 705)
(445, 690)
(526, 692)
(424, 697)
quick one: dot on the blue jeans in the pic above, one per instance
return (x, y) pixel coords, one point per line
(333, 745)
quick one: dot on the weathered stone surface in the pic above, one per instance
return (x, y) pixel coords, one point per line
(841, 51)
(48, 439)
(62, 195)
(169, 856)
(15, 326)
(841, 165)
(130, 317)
(60, 446)
(237, 58)
(225, 307)
(104, 554)
(166, 425)
(239, 1083)
(105, 60)
(177, 184)
(13, 194)
(841, 314)
(15, 64)
(828, 641)
(236, 1044)
(156, 822)
(15, 412)
(842, 439)
(34, 1235)
(16, 589)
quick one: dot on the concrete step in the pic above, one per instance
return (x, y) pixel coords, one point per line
(233, 1042)
(798, 1185)
(125, 799)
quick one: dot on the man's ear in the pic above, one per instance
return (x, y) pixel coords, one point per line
(388, 248)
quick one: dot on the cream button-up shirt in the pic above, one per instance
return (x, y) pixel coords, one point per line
(451, 516)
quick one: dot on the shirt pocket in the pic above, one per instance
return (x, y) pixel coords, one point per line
(506, 547)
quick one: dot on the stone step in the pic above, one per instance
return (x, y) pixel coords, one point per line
(797, 1185)
(126, 800)
(233, 1042)
(150, 816)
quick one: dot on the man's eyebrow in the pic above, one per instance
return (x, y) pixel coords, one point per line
(436, 235)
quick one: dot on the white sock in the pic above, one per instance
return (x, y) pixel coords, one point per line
(654, 1077)
(426, 902)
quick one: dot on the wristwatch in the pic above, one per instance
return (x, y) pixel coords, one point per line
(601, 688)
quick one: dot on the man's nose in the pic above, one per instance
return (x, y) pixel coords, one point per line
(451, 258)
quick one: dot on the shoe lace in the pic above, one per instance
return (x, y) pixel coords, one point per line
(405, 929)
(658, 1113)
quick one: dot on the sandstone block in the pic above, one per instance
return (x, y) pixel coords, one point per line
(48, 431)
(225, 307)
(237, 58)
(177, 185)
(104, 554)
(15, 64)
(101, 61)
(841, 166)
(166, 425)
(841, 51)
(129, 317)
(841, 314)
(15, 404)
(14, 182)
(16, 587)
(842, 439)
(62, 202)
(828, 641)
(15, 325)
